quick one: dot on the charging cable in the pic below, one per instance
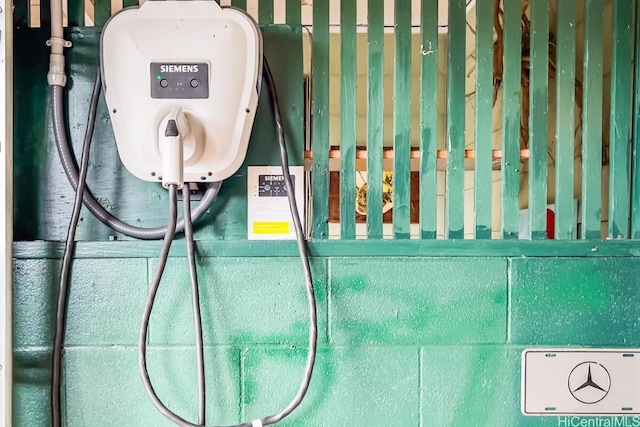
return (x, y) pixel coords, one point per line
(304, 257)
(65, 272)
(77, 178)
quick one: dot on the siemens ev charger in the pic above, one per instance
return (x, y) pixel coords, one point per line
(200, 71)
(181, 81)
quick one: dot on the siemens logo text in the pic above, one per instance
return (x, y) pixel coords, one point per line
(176, 68)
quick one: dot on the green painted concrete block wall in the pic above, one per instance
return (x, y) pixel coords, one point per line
(404, 341)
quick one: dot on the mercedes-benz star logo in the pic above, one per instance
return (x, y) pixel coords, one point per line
(589, 382)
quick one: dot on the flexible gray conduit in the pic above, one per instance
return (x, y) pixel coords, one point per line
(70, 167)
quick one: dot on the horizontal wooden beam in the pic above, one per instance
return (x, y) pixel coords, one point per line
(338, 248)
(388, 153)
(441, 161)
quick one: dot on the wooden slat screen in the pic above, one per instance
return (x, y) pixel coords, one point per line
(515, 119)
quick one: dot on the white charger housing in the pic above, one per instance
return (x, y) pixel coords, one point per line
(193, 61)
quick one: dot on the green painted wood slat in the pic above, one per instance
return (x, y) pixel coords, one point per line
(265, 12)
(75, 16)
(348, 80)
(538, 118)
(129, 3)
(320, 117)
(242, 4)
(45, 13)
(429, 119)
(456, 119)
(620, 120)
(565, 119)
(375, 117)
(101, 12)
(402, 122)
(293, 12)
(592, 120)
(21, 14)
(484, 119)
(511, 119)
(635, 196)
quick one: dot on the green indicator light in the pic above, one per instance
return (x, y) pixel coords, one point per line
(159, 77)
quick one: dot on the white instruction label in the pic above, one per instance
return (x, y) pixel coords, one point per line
(268, 212)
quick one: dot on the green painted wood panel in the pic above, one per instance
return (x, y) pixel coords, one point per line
(483, 179)
(565, 120)
(620, 120)
(592, 120)
(428, 119)
(538, 119)
(417, 301)
(456, 120)
(31, 147)
(375, 117)
(402, 121)
(282, 45)
(265, 12)
(348, 80)
(511, 119)
(320, 117)
(37, 164)
(635, 183)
